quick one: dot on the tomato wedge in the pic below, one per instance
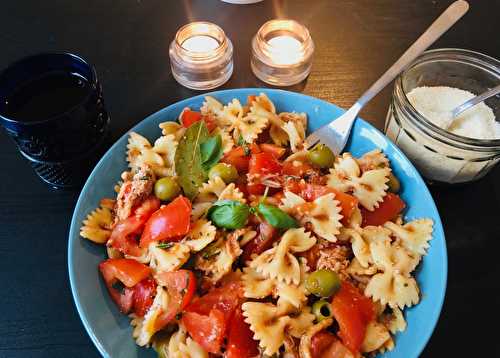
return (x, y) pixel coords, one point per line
(352, 310)
(124, 234)
(181, 286)
(188, 117)
(388, 210)
(207, 317)
(239, 158)
(320, 342)
(275, 150)
(264, 163)
(120, 275)
(128, 271)
(297, 169)
(169, 222)
(266, 236)
(206, 330)
(144, 294)
(240, 342)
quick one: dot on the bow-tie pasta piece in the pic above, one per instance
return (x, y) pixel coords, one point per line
(323, 213)
(373, 160)
(279, 262)
(170, 258)
(394, 321)
(231, 192)
(173, 128)
(290, 201)
(271, 323)
(166, 147)
(391, 257)
(200, 209)
(180, 345)
(201, 234)
(414, 236)
(368, 187)
(256, 285)
(230, 114)
(212, 107)
(394, 286)
(355, 269)
(295, 125)
(217, 258)
(137, 144)
(361, 240)
(250, 126)
(140, 152)
(97, 226)
(144, 327)
(393, 289)
(211, 190)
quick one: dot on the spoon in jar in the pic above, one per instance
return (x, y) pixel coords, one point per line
(471, 103)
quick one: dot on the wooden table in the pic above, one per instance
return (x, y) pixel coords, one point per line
(128, 41)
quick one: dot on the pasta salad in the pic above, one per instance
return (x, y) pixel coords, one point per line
(227, 238)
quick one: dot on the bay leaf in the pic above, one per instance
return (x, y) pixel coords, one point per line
(188, 164)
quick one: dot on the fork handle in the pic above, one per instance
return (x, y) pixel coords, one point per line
(451, 15)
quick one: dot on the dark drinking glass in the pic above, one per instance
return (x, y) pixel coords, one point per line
(52, 106)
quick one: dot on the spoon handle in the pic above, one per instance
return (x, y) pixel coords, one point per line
(473, 101)
(446, 20)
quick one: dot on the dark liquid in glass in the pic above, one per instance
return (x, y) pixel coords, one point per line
(46, 96)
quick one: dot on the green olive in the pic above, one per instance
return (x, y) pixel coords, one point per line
(321, 156)
(226, 172)
(323, 283)
(322, 310)
(393, 183)
(166, 188)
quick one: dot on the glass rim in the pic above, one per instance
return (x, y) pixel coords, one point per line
(21, 62)
(483, 61)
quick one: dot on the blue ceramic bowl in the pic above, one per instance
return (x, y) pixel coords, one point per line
(110, 331)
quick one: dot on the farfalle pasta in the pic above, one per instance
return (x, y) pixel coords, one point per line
(226, 228)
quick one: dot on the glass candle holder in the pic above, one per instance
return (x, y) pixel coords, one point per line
(201, 56)
(282, 52)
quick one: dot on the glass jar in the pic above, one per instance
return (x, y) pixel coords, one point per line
(201, 66)
(282, 52)
(439, 155)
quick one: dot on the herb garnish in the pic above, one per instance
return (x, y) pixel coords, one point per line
(165, 245)
(188, 163)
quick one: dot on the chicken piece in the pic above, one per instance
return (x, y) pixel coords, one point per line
(134, 191)
(335, 258)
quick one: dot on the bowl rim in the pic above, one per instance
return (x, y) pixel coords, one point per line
(74, 225)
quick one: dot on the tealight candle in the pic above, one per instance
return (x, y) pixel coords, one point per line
(200, 43)
(282, 52)
(201, 56)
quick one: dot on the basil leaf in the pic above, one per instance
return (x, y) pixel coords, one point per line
(211, 151)
(229, 214)
(188, 164)
(276, 217)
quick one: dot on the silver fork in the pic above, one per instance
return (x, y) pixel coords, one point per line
(336, 133)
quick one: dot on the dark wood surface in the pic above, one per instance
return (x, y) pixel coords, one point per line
(127, 41)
